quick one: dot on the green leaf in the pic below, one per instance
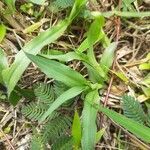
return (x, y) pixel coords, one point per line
(99, 134)
(145, 66)
(14, 97)
(76, 130)
(13, 74)
(69, 94)
(66, 57)
(58, 71)
(39, 2)
(2, 32)
(132, 126)
(76, 8)
(3, 63)
(94, 32)
(121, 75)
(108, 57)
(89, 115)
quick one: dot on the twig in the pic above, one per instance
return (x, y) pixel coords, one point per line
(118, 22)
(133, 138)
(9, 142)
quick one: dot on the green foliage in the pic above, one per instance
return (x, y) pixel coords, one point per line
(12, 75)
(58, 71)
(89, 115)
(44, 93)
(63, 143)
(34, 111)
(36, 142)
(55, 128)
(3, 63)
(61, 4)
(53, 132)
(76, 130)
(134, 127)
(133, 109)
(39, 2)
(67, 95)
(2, 32)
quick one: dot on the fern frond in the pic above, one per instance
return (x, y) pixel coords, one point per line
(63, 143)
(34, 111)
(62, 4)
(59, 88)
(133, 109)
(44, 92)
(55, 128)
(36, 143)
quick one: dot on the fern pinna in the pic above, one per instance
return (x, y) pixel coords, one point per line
(133, 109)
(55, 130)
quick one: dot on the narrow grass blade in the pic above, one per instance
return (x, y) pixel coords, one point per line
(69, 94)
(89, 115)
(66, 57)
(58, 71)
(2, 32)
(3, 63)
(108, 57)
(132, 126)
(76, 130)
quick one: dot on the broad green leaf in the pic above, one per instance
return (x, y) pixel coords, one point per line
(66, 57)
(76, 130)
(13, 74)
(108, 57)
(2, 32)
(99, 135)
(69, 94)
(3, 63)
(39, 2)
(89, 115)
(132, 126)
(145, 66)
(58, 71)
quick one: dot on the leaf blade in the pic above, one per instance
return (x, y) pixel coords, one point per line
(69, 94)
(58, 71)
(76, 130)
